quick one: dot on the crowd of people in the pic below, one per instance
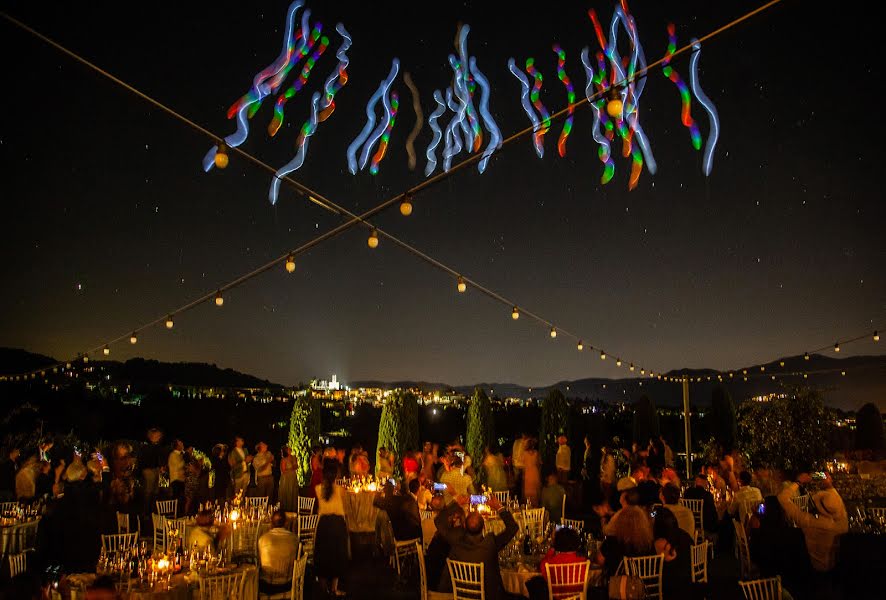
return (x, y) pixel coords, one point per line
(630, 500)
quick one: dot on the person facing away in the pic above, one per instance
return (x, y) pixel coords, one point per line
(709, 509)
(744, 496)
(564, 550)
(629, 533)
(552, 497)
(277, 551)
(676, 545)
(175, 465)
(263, 463)
(150, 461)
(778, 548)
(670, 499)
(563, 460)
(468, 544)
(402, 509)
(823, 529)
(238, 461)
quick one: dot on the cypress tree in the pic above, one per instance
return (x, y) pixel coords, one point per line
(398, 428)
(304, 432)
(480, 426)
(554, 414)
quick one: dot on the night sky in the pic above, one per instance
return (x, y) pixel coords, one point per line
(109, 220)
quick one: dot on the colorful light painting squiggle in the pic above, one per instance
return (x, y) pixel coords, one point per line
(431, 152)
(495, 138)
(535, 98)
(527, 106)
(369, 136)
(604, 151)
(307, 131)
(337, 80)
(685, 99)
(714, 134)
(419, 119)
(570, 98)
(282, 99)
(386, 136)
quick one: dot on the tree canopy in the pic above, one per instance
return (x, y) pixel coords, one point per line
(554, 414)
(304, 433)
(398, 428)
(480, 425)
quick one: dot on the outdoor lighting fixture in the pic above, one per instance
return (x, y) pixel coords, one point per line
(602, 355)
(781, 363)
(580, 346)
(805, 356)
(614, 104)
(86, 358)
(406, 207)
(462, 286)
(515, 314)
(106, 350)
(169, 322)
(762, 368)
(642, 371)
(632, 366)
(221, 156)
(553, 332)
(219, 300)
(836, 346)
(373, 239)
(843, 373)
(132, 340)
(290, 263)
(876, 337)
(617, 362)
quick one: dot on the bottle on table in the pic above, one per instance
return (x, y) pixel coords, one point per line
(527, 542)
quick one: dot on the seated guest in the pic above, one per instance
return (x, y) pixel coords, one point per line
(468, 544)
(630, 499)
(103, 588)
(552, 497)
(428, 526)
(709, 508)
(744, 497)
(821, 530)
(205, 533)
(676, 545)
(670, 499)
(420, 491)
(277, 551)
(438, 547)
(649, 488)
(778, 548)
(630, 534)
(403, 512)
(564, 550)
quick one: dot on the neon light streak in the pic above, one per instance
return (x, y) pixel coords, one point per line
(419, 117)
(495, 138)
(296, 87)
(714, 134)
(604, 151)
(685, 99)
(386, 136)
(338, 79)
(386, 104)
(431, 152)
(453, 142)
(468, 87)
(570, 98)
(307, 131)
(536, 101)
(527, 107)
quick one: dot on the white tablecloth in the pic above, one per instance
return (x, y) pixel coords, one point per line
(514, 580)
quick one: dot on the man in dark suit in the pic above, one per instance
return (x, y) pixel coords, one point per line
(708, 507)
(468, 544)
(402, 509)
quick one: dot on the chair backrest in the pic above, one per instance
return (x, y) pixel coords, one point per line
(305, 505)
(298, 577)
(119, 542)
(307, 531)
(801, 502)
(167, 508)
(422, 571)
(696, 505)
(649, 569)
(699, 564)
(503, 497)
(18, 563)
(221, 587)
(175, 529)
(534, 520)
(24, 537)
(260, 501)
(122, 522)
(6, 507)
(744, 551)
(762, 589)
(877, 513)
(159, 523)
(567, 579)
(244, 539)
(576, 524)
(340, 482)
(426, 514)
(467, 580)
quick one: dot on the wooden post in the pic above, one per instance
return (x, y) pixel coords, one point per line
(687, 429)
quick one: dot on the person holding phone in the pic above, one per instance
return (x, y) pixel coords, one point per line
(402, 509)
(821, 530)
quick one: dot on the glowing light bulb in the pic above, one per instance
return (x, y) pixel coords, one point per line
(290, 264)
(132, 339)
(406, 207)
(876, 337)
(730, 374)
(515, 314)
(221, 156)
(614, 105)
(773, 377)
(805, 375)
(553, 332)
(219, 299)
(106, 350)
(805, 356)
(580, 346)
(836, 346)
(602, 355)
(462, 286)
(373, 239)
(86, 358)
(642, 371)
(781, 363)
(632, 366)
(762, 368)
(843, 373)
(169, 322)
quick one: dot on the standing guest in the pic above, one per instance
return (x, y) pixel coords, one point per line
(410, 465)
(590, 474)
(468, 544)
(745, 496)
(517, 460)
(44, 480)
(670, 499)
(8, 469)
(239, 461)
(563, 460)
(277, 551)
(331, 551)
(316, 469)
(176, 466)
(429, 460)
(607, 471)
(552, 498)
(402, 510)
(43, 449)
(457, 482)
(150, 460)
(263, 463)
(823, 529)
(494, 467)
(421, 491)
(194, 496)
(668, 452)
(531, 473)
(708, 507)
(428, 526)
(384, 468)
(287, 494)
(222, 480)
(26, 480)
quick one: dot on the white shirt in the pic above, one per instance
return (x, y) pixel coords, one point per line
(263, 463)
(564, 458)
(685, 518)
(277, 551)
(335, 505)
(176, 464)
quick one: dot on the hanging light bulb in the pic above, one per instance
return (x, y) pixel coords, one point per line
(805, 356)
(221, 156)
(876, 337)
(132, 339)
(219, 299)
(730, 374)
(781, 363)
(553, 332)
(642, 371)
(580, 346)
(406, 206)
(462, 286)
(169, 322)
(762, 368)
(106, 350)
(836, 346)
(773, 377)
(602, 355)
(617, 362)
(632, 366)
(373, 239)
(85, 358)
(290, 263)
(515, 314)
(805, 375)
(614, 105)
(843, 373)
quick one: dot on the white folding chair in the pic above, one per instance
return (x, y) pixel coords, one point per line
(175, 529)
(307, 531)
(219, 587)
(167, 508)
(696, 506)
(159, 524)
(297, 575)
(649, 570)
(426, 514)
(305, 505)
(762, 589)
(744, 552)
(24, 537)
(801, 502)
(534, 520)
(467, 580)
(122, 522)
(119, 542)
(877, 513)
(18, 563)
(567, 580)
(7, 507)
(699, 564)
(576, 524)
(257, 501)
(402, 550)
(503, 497)
(424, 592)
(244, 542)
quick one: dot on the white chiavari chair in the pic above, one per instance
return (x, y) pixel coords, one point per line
(762, 589)
(222, 587)
(175, 529)
(696, 506)
(801, 502)
(305, 505)
(292, 522)
(576, 524)
(424, 592)
(565, 580)
(307, 531)
(503, 497)
(877, 513)
(122, 522)
(534, 520)
(18, 563)
(257, 502)
(167, 508)
(119, 542)
(426, 514)
(159, 524)
(649, 570)
(699, 564)
(403, 550)
(744, 551)
(297, 576)
(467, 580)
(244, 542)
(7, 507)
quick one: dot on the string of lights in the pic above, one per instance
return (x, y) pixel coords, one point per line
(404, 198)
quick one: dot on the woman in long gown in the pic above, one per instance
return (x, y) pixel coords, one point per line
(531, 474)
(331, 550)
(316, 470)
(288, 492)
